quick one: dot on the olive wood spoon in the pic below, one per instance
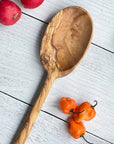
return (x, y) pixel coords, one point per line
(64, 44)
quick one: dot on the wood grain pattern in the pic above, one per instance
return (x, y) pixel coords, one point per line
(79, 34)
(101, 12)
(66, 40)
(47, 129)
(21, 72)
(24, 133)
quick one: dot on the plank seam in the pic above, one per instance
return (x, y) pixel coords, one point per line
(86, 131)
(102, 48)
(50, 114)
(48, 23)
(99, 137)
(34, 17)
(16, 98)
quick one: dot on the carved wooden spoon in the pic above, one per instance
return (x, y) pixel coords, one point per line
(64, 44)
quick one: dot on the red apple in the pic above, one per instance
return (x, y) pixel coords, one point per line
(10, 13)
(31, 3)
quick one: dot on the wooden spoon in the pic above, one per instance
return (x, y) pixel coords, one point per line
(64, 44)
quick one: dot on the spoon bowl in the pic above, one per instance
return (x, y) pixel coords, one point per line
(64, 44)
(66, 40)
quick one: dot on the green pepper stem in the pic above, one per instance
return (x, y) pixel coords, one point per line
(95, 104)
(72, 110)
(85, 139)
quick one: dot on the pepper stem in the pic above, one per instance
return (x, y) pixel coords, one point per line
(85, 139)
(72, 110)
(95, 104)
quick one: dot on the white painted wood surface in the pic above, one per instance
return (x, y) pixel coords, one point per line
(19, 59)
(21, 75)
(21, 70)
(101, 11)
(47, 129)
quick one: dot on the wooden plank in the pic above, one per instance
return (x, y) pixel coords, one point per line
(19, 48)
(21, 73)
(101, 12)
(47, 129)
(92, 80)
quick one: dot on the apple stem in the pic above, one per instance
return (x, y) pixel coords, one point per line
(15, 16)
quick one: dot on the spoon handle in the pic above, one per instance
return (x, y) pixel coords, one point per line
(35, 110)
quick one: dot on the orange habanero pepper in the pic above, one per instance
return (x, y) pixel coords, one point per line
(85, 111)
(68, 105)
(76, 130)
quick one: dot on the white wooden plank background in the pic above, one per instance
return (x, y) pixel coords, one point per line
(21, 75)
(13, 112)
(102, 12)
(21, 70)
